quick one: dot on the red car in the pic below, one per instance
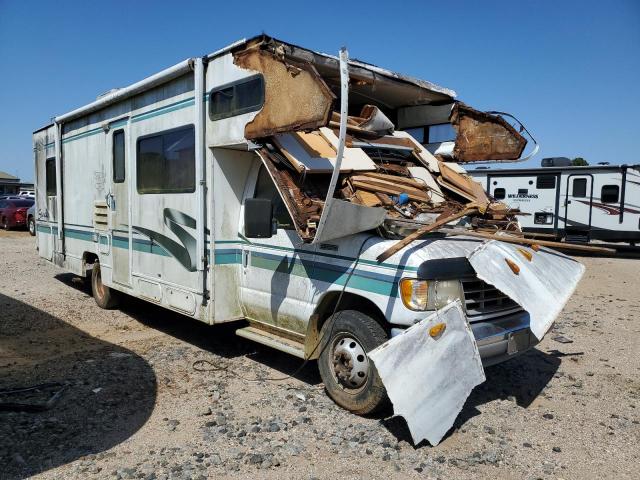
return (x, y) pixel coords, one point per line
(13, 212)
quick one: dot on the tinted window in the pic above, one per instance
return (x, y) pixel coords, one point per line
(22, 203)
(50, 176)
(3, 204)
(417, 133)
(610, 193)
(265, 188)
(579, 188)
(499, 193)
(546, 181)
(118, 156)
(442, 132)
(166, 162)
(244, 96)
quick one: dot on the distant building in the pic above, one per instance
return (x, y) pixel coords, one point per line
(10, 185)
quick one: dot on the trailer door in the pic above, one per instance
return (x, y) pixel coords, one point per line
(579, 195)
(119, 202)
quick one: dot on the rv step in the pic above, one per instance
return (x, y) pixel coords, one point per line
(576, 238)
(272, 340)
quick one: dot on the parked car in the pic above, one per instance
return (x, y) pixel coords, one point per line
(27, 194)
(13, 213)
(31, 220)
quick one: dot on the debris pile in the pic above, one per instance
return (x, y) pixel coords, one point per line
(381, 168)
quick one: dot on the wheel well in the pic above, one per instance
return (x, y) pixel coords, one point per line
(89, 258)
(349, 301)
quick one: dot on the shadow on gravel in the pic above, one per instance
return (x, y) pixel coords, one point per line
(519, 380)
(111, 391)
(217, 339)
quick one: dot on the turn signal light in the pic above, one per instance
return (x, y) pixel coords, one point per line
(437, 330)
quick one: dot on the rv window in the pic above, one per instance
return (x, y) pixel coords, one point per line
(579, 187)
(546, 181)
(166, 163)
(265, 188)
(442, 132)
(118, 156)
(50, 177)
(417, 133)
(244, 96)
(610, 193)
(499, 193)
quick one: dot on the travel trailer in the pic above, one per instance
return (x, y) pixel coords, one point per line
(600, 202)
(273, 185)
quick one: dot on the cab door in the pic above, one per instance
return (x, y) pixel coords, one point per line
(119, 199)
(578, 205)
(276, 272)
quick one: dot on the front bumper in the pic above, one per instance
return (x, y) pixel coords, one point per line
(503, 338)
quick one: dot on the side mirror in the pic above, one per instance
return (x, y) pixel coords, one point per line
(258, 218)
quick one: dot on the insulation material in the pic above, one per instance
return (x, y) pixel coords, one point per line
(527, 276)
(296, 97)
(429, 370)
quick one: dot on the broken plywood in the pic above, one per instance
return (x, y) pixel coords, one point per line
(429, 377)
(481, 136)
(295, 97)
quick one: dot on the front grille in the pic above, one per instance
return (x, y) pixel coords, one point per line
(484, 301)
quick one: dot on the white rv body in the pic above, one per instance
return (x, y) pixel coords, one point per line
(580, 203)
(149, 183)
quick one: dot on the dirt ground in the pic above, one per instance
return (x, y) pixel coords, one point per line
(135, 407)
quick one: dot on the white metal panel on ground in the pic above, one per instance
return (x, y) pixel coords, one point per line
(542, 285)
(428, 379)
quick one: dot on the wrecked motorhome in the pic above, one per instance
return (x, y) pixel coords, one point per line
(320, 200)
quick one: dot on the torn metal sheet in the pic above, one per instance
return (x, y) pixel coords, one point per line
(296, 97)
(541, 285)
(429, 370)
(481, 136)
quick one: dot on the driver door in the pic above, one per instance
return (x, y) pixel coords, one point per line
(276, 272)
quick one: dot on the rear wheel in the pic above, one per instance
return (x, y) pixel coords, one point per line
(32, 226)
(104, 296)
(350, 378)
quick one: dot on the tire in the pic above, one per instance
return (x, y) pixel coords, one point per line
(104, 296)
(347, 335)
(32, 226)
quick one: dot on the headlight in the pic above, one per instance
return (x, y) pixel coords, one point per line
(429, 295)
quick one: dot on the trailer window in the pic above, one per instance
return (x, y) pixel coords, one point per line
(441, 132)
(50, 177)
(118, 156)
(610, 193)
(265, 188)
(499, 193)
(244, 96)
(579, 188)
(546, 181)
(166, 162)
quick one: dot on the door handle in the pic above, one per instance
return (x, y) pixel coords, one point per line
(245, 258)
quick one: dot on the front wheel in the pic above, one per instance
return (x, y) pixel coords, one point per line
(350, 378)
(32, 227)
(104, 296)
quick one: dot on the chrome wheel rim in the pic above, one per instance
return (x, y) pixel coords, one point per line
(350, 364)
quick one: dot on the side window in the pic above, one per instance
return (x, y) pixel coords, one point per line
(243, 96)
(499, 193)
(265, 188)
(579, 187)
(417, 133)
(50, 177)
(118, 156)
(3, 204)
(610, 193)
(441, 132)
(166, 162)
(546, 181)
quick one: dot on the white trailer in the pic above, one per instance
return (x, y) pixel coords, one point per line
(600, 202)
(164, 191)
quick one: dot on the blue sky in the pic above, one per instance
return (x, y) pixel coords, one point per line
(569, 70)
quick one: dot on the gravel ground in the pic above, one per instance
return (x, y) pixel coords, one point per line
(136, 408)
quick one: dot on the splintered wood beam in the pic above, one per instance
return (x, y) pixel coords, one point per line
(421, 231)
(528, 241)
